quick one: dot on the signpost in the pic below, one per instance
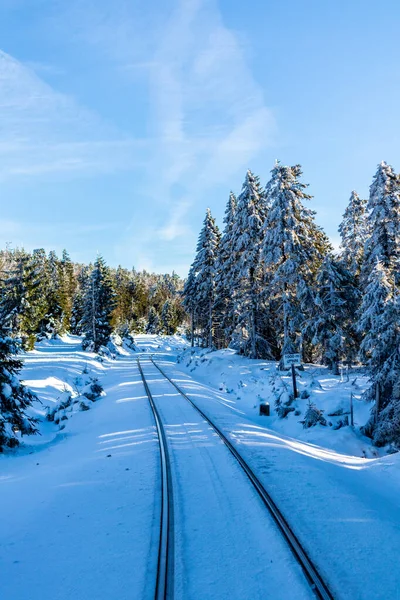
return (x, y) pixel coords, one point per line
(292, 361)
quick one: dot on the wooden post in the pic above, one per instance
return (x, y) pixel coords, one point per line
(295, 394)
(351, 410)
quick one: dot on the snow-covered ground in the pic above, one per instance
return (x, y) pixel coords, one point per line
(78, 516)
(344, 507)
(243, 383)
(80, 506)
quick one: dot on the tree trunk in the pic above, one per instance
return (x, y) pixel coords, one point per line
(192, 327)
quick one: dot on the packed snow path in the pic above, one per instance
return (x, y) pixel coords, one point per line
(225, 544)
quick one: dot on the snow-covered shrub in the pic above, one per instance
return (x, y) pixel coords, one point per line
(341, 423)
(387, 431)
(283, 405)
(93, 391)
(57, 413)
(313, 416)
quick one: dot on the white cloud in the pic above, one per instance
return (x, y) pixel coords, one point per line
(176, 226)
(47, 132)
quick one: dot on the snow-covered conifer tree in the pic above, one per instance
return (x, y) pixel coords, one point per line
(245, 267)
(67, 288)
(24, 304)
(294, 248)
(383, 223)
(53, 320)
(190, 300)
(98, 307)
(223, 304)
(204, 267)
(379, 321)
(15, 398)
(168, 318)
(353, 231)
(78, 302)
(331, 323)
(153, 321)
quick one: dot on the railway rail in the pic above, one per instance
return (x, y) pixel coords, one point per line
(164, 580)
(313, 577)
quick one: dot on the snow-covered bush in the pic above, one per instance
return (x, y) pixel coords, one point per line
(86, 391)
(387, 430)
(283, 405)
(313, 416)
(94, 390)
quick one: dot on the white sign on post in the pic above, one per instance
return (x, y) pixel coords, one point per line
(291, 359)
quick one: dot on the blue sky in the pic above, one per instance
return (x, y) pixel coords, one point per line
(123, 121)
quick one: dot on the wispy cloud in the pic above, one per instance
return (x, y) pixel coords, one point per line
(206, 116)
(44, 131)
(175, 226)
(207, 108)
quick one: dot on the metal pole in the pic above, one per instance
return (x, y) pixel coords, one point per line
(295, 395)
(351, 410)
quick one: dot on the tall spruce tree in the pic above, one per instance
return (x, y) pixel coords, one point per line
(383, 223)
(23, 300)
(98, 307)
(246, 268)
(168, 318)
(223, 304)
(331, 322)
(204, 267)
(294, 248)
(380, 348)
(353, 231)
(54, 315)
(190, 300)
(66, 290)
(153, 321)
(15, 398)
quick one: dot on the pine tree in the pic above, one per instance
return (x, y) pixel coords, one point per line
(153, 321)
(15, 398)
(246, 267)
(353, 231)
(189, 300)
(52, 324)
(331, 322)
(379, 321)
(223, 304)
(294, 248)
(168, 318)
(98, 307)
(383, 222)
(78, 302)
(204, 267)
(23, 301)
(66, 292)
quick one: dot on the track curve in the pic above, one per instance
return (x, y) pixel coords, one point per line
(164, 580)
(316, 582)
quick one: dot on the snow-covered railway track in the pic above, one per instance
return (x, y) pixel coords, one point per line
(316, 582)
(164, 577)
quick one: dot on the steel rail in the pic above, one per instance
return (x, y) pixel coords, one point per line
(164, 579)
(316, 582)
